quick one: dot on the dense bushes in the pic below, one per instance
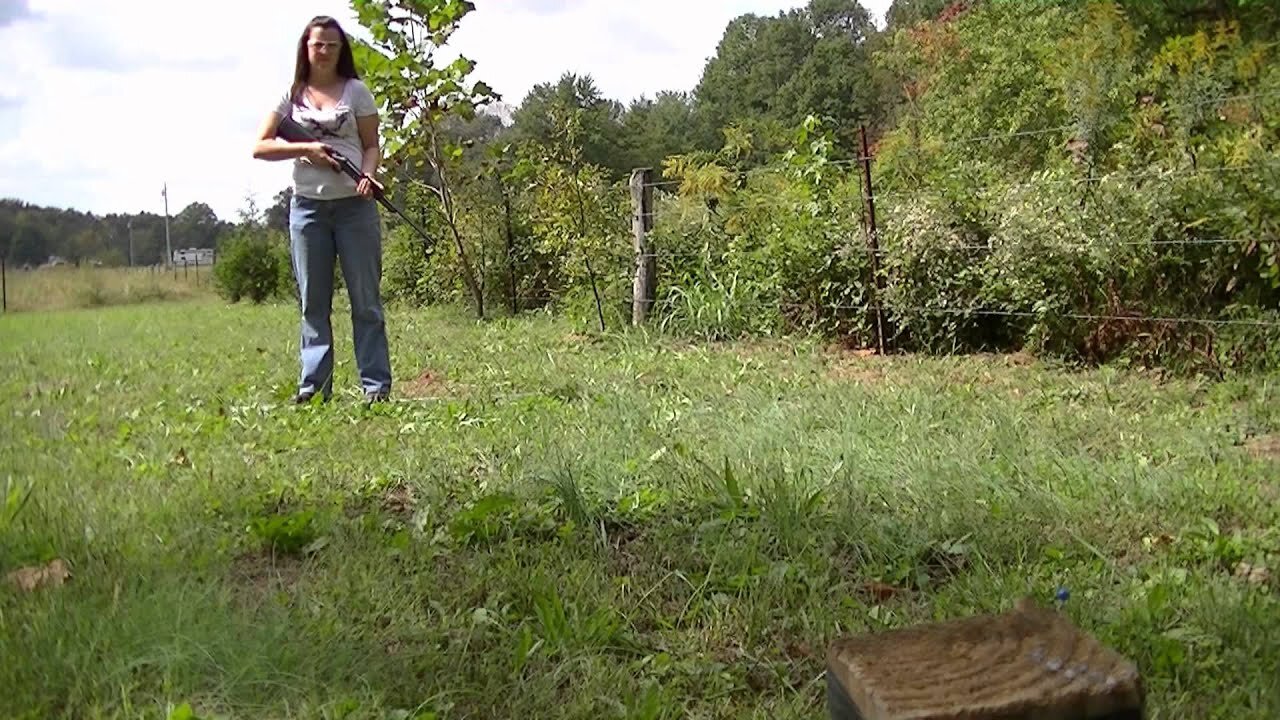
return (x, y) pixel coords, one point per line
(538, 232)
(936, 268)
(253, 263)
(766, 250)
(408, 274)
(1085, 209)
(1110, 272)
(1057, 179)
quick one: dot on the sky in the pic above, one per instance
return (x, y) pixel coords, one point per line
(105, 103)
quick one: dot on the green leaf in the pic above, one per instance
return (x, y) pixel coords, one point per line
(523, 650)
(731, 484)
(462, 66)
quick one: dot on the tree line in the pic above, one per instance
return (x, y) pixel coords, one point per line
(768, 71)
(1090, 179)
(32, 235)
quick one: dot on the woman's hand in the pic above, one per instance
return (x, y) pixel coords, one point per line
(367, 186)
(317, 154)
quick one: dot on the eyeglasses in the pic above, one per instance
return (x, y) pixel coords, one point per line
(324, 44)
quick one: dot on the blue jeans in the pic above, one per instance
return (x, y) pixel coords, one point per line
(349, 231)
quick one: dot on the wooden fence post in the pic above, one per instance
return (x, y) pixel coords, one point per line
(643, 288)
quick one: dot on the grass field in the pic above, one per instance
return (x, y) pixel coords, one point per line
(547, 524)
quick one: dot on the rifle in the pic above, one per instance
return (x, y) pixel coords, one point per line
(290, 130)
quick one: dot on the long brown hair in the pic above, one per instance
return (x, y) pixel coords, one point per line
(302, 67)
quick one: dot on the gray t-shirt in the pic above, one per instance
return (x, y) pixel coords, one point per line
(336, 128)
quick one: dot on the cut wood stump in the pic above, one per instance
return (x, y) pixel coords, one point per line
(1028, 663)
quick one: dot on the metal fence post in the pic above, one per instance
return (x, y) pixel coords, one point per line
(873, 241)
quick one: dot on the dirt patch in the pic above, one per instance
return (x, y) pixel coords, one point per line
(628, 551)
(846, 363)
(1253, 574)
(400, 501)
(258, 575)
(429, 384)
(878, 592)
(574, 338)
(30, 579)
(856, 368)
(849, 372)
(1265, 447)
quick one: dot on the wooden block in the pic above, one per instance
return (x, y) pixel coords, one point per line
(1028, 663)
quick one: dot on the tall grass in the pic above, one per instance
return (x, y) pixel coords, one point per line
(67, 287)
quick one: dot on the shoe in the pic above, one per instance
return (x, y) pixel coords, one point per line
(305, 397)
(376, 396)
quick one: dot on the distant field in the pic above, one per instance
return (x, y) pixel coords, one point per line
(68, 287)
(549, 524)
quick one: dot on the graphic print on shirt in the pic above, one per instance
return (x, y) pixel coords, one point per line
(329, 127)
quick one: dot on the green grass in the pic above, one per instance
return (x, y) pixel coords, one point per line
(563, 525)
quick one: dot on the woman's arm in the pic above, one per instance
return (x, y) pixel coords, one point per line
(269, 147)
(372, 156)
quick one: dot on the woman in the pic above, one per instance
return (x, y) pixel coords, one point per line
(331, 216)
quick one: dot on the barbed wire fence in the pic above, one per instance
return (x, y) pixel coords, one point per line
(651, 259)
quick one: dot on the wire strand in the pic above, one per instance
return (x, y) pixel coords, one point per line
(900, 309)
(1101, 245)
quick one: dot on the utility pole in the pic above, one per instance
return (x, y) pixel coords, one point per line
(168, 249)
(129, 224)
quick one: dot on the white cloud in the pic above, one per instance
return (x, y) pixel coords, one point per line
(101, 106)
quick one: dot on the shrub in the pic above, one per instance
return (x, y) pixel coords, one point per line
(718, 309)
(578, 305)
(1062, 255)
(935, 266)
(250, 265)
(407, 274)
(286, 283)
(777, 249)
